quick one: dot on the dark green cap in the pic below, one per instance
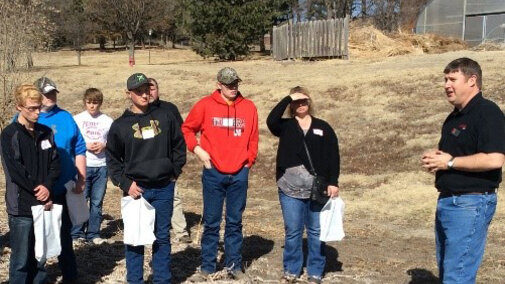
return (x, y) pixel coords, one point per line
(136, 80)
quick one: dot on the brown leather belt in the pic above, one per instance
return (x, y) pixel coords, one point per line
(448, 193)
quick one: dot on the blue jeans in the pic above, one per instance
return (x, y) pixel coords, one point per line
(96, 183)
(66, 260)
(297, 214)
(23, 267)
(162, 199)
(216, 188)
(461, 227)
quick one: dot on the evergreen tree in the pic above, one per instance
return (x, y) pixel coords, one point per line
(228, 28)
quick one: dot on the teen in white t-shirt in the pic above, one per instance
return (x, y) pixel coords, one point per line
(94, 127)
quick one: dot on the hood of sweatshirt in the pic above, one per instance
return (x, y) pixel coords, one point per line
(216, 95)
(232, 108)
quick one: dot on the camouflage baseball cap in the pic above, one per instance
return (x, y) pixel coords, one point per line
(136, 80)
(45, 85)
(227, 75)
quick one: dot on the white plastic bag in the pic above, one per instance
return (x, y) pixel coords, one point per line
(78, 209)
(331, 220)
(138, 219)
(47, 227)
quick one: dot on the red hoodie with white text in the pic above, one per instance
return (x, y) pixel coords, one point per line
(229, 133)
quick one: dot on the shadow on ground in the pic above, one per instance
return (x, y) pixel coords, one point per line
(3, 240)
(185, 264)
(93, 262)
(112, 228)
(422, 276)
(255, 247)
(332, 262)
(192, 219)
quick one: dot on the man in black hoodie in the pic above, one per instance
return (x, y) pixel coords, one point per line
(32, 166)
(145, 154)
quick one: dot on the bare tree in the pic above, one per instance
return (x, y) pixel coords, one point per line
(127, 17)
(23, 27)
(327, 9)
(338, 8)
(296, 11)
(386, 14)
(364, 11)
(409, 10)
(73, 24)
(172, 23)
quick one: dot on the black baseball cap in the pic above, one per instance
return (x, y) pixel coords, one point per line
(136, 80)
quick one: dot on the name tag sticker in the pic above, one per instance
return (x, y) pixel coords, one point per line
(45, 144)
(147, 133)
(318, 132)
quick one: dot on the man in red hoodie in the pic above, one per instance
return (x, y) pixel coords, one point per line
(228, 145)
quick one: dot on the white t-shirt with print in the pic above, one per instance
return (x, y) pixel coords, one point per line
(94, 129)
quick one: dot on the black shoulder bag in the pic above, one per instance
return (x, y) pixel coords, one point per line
(319, 190)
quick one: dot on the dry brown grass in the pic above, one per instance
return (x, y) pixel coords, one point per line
(386, 111)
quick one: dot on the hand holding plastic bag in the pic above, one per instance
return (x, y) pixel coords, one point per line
(78, 209)
(331, 220)
(138, 219)
(47, 227)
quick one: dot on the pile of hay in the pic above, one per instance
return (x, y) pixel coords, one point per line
(489, 46)
(365, 41)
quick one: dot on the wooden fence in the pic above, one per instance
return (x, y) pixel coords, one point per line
(326, 38)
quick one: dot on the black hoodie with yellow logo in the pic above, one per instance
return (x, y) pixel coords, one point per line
(147, 148)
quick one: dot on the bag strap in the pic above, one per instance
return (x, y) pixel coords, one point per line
(312, 169)
(310, 160)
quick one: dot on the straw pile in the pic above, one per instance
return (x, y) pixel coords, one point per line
(368, 42)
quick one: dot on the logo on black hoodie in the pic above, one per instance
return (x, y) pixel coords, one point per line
(146, 132)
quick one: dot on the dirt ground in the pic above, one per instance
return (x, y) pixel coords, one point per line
(385, 111)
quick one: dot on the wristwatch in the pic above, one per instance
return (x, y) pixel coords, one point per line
(450, 164)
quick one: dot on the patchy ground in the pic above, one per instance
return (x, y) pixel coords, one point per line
(386, 112)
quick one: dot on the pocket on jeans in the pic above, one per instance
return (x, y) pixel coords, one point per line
(468, 201)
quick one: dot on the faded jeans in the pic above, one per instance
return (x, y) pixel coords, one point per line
(162, 200)
(23, 267)
(461, 227)
(96, 184)
(218, 187)
(299, 214)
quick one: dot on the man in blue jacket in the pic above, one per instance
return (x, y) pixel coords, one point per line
(72, 152)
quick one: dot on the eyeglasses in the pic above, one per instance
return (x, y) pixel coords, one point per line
(32, 108)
